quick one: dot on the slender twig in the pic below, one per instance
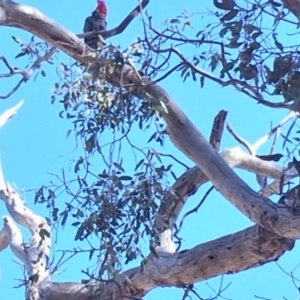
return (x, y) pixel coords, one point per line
(273, 130)
(240, 139)
(175, 159)
(12, 71)
(240, 85)
(218, 129)
(26, 74)
(14, 89)
(195, 209)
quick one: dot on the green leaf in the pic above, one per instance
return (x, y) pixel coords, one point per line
(275, 4)
(175, 21)
(199, 33)
(119, 167)
(187, 24)
(91, 253)
(156, 155)
(230, 15)
(236, 28)
(223, 31)
(173, 175)
(277, 44)
(103, 175)
(224, 4)
(153, 136)
(233, 44)
(139, 164)
(51, 194)
(255, 35)
(249, 28)
(270, 157)
(20, 54)
(213, 63)
(78, 163)
(79, 232)
(202, 78)
(68, 133)
(17, 40)
(227, 67)
(90, 144)
(75, 224)
(125, 178)
(64, 219)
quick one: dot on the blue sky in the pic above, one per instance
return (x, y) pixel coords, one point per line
(34, 144)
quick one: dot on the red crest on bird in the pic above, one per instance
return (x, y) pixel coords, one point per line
(102, 9)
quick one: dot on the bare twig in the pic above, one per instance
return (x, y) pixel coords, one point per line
(217, 129)
(26, 74)
(253, 148)
(240, 139)
(195, 209)
(175, 159)
(14, 89)
(273, 130)
(12, 71)
(240, 85)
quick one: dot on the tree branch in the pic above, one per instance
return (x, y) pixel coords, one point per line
(204, 261)
(221, 256)
(35, 256)
(121, 27)
(191, 180)
(182, 132)
(4, 240)
(26, 75)
(293, 7)
(252, 149)
(176, 197)
(240, 140)
(218, 129)
(9, 113)
(12, 70)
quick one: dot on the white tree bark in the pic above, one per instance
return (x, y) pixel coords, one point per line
(279, 227)
(34, 256)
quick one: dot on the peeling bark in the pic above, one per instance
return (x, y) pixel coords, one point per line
(4, 240)
(227, 255)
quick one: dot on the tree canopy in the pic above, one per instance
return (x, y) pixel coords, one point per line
(122, 190)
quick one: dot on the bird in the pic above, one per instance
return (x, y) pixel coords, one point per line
(95, 22)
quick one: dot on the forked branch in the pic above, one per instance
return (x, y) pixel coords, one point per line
(26, 74)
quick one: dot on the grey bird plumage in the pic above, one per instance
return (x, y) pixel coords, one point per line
(95, 22)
